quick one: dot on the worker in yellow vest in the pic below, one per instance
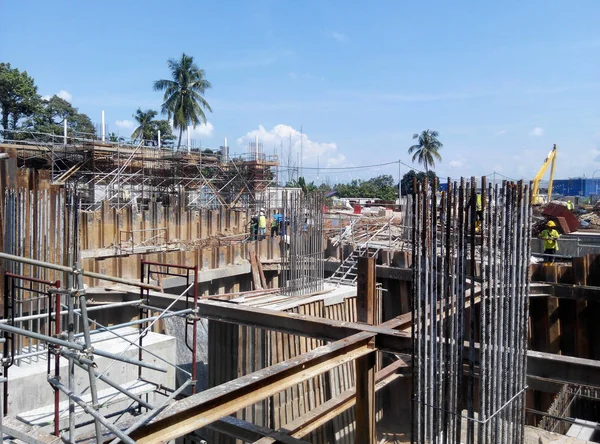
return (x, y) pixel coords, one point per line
(262, 225)
(478, 213)
(569, 205)
(550, 237)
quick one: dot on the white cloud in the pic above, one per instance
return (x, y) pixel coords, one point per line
(537, 132)
(280, 135)
(501, 132)
(202, 130)
(340, 37)
(65, 95)
(456, 163)
(124, 124)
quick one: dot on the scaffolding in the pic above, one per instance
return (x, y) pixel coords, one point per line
(136, 173)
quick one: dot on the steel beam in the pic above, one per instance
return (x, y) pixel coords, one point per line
(204, 408)
(565, 291)
(324, 413)
(386, 339)
(366, 309)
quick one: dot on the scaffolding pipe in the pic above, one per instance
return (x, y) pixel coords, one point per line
(85, 365)
(91, 411)
(90, 274)
(195, 331)
(148, 416)
(63, 312)
(111, 329)
(57, 331)
(88, 346)
(79, 347)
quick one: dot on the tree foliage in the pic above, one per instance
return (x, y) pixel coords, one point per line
(183, 94)
(302, 184)
(148, 128)
(18, 96)
(407, 181)
(380, 187)
(51, 116)
(145, 124)
(426, 151)
(166, 132)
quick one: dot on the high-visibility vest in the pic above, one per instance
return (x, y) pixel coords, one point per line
(262, 222)
(550, 237)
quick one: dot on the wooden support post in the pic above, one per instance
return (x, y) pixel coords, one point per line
(365, 365)
(255, 271)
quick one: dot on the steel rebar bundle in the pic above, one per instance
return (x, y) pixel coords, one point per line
(470, 312)
(302, 243)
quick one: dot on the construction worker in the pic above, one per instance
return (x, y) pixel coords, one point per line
(478, 213)
(550, 237)
(275, 222)
(570, 205)
(262, 226)
(253, 227)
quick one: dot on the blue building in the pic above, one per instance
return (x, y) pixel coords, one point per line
(576, 186)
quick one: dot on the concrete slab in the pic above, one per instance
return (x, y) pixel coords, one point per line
(29, 389)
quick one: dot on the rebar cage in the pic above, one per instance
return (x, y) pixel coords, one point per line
(470, 309)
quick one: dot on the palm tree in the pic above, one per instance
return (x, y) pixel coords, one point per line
(426, 152)
(144, 120)
(183, 101)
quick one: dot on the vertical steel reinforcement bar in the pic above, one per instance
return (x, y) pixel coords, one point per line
(470, 253)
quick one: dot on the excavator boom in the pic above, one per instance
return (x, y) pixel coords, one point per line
(538, 199)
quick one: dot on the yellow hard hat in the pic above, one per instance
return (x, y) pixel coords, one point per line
(551, 223)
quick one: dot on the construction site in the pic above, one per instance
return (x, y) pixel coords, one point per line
(140, 304)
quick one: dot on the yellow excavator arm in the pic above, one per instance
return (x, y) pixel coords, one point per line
(550, 159)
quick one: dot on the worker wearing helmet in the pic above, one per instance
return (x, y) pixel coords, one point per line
(550, 237)
(569, 205)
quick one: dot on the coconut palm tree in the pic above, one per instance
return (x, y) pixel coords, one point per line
(145, 123)
(183, 99)
(426, 152)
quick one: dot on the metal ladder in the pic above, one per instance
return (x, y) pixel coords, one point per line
(347, 272)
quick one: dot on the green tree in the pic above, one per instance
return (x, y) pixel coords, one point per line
(379, 187)
(145, 124)
(18, 96)
(301, 183)
(407, 181)
(114, 137)
(166, 132)
(426, 152)
(183, 94)
(50, 119)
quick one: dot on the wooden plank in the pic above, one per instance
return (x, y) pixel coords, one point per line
(365, 366)
(261, 272)
(554, 327)
(582, 331)
(255, 273)
(568, 335)
(201, 409)
(335, 406)
(580, 270)
(27, 433)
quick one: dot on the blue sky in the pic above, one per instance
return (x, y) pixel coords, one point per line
(500, 81)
